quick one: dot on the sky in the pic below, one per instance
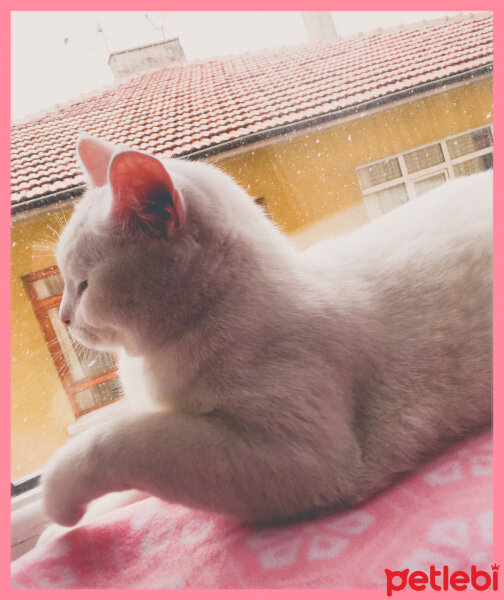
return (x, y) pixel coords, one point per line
(56, 56)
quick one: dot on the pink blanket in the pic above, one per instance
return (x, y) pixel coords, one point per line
(440, 515)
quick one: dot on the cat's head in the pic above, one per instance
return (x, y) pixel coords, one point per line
(143, 254)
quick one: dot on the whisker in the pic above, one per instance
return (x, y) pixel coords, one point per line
(56, 233)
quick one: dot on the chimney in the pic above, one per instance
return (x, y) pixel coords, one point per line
(319, 25)
(152, 56)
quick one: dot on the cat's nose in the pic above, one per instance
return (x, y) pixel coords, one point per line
(64, 317)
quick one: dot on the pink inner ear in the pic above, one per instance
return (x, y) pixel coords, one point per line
(143, 190)
(95, 156)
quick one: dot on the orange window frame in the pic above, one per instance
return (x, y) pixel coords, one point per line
(40, 308)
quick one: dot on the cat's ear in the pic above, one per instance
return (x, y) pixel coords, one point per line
(95, 156)
(144, 194)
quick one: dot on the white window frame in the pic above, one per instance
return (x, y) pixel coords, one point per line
(27, 521)
(409, 179)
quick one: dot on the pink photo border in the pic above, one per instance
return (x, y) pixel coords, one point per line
(224, 5)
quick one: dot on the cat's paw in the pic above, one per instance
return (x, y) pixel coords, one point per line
(63, 512)
(61, 504)
(65, 486)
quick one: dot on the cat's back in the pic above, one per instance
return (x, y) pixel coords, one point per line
(429, 261)
(417, 287)
(417, 284)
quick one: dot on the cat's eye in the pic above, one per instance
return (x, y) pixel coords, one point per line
(83, 286)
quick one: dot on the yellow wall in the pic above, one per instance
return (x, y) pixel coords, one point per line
(312, 176)
(40, 409)
(311, 189)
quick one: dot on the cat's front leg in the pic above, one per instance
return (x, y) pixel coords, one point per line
(73, 477)
(163, 454)
(203, 462)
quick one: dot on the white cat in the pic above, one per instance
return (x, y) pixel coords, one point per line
(272, 383)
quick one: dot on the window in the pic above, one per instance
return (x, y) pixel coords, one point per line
(388, 183)
(89, 377)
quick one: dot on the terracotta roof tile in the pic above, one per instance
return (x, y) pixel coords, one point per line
(192, 106)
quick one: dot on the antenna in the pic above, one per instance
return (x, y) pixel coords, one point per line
(99, 29)
(68, 41)
(159, 28)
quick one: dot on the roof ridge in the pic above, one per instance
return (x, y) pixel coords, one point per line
(424, 23)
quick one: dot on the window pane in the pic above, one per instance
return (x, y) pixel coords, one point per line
(385, 200)
(95, 362)
(424, 158)
(49, 286)
(470, 142)
(475, 165)
(98, 395)
(83, 363)
(429, 183)
(380, 172)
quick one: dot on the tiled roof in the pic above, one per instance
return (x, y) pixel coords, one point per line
(191, 106)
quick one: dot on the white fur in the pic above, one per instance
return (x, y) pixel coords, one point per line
(272, 382)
